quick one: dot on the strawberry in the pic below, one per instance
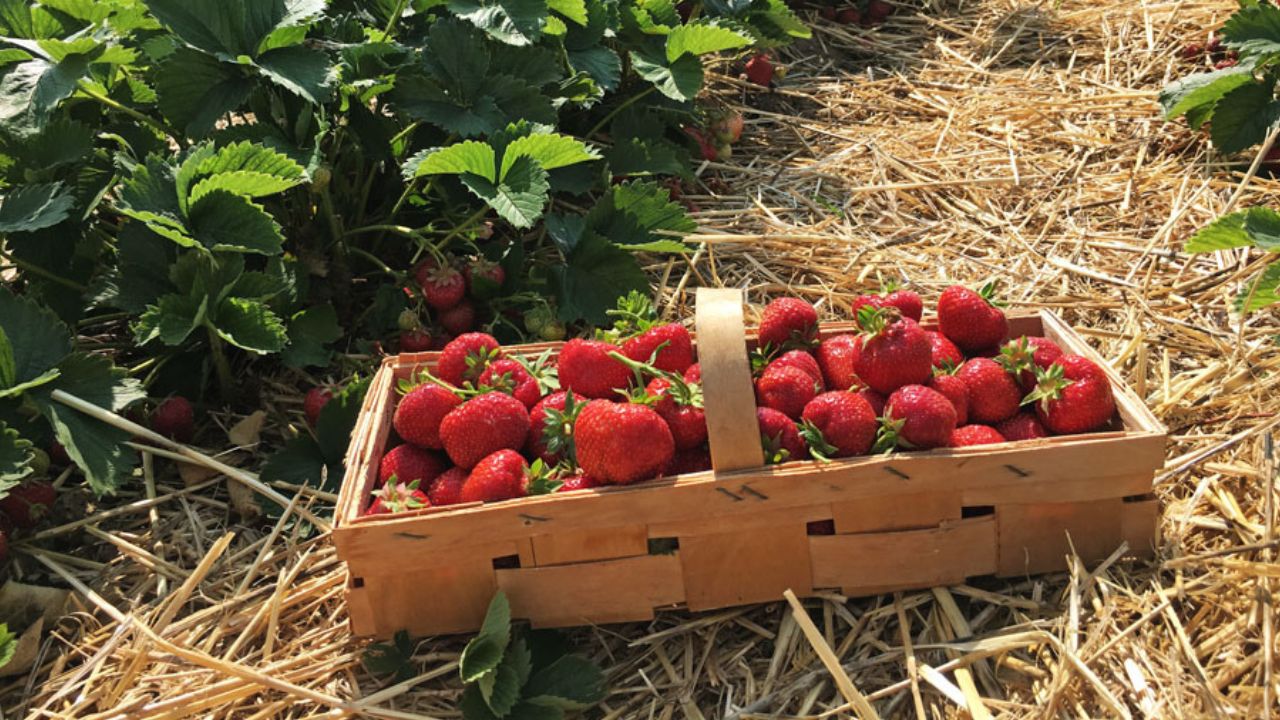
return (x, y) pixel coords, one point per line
(409, 463)
(693, 374)
(1192, 51)
(848, 16)
(865, 300)
(759, 70)
(954, 389)
(945, 353)
(621, 443)
(895, 351)
(780, 437)
(417, 340)
(482, 426)
(993, 393)
(838, 358)
(443, 288)
(917, 417)
(1022, 356)
(513, 378)
(801, 360)
(786, 389)
(706, 146)
(1073, 396)
(578, 482)
(691, 460)
(878, 10)
(728, 128)
(484, 278)
(1225, 63)
(1023, 426)
(676, 354)
(58, 454)
(417, 418)
(465, 357)
(838, 424)
(970, 320)
(908, 303)
(500, 476)
(680, 405)
(174, 418)
(1215, 44)
(551, 426)
(446, 489)
(874, 399)
(314, 402)
(408, 320)
(585, 367)
(969, 435)
(27, 504)
(788, 321)
(827, 12)
(459, 319)
(395, 497)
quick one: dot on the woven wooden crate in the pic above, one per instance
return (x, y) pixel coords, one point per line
(902, 521)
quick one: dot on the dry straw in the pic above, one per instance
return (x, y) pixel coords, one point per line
(962, 141)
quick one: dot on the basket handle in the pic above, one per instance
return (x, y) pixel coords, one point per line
(727, 390)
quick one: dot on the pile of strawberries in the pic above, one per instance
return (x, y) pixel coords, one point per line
(897, 386)
(452, 298)
(627, 406)
(1212, 52)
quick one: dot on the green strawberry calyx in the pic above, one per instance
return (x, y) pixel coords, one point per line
(1050, 382)
(818, 445)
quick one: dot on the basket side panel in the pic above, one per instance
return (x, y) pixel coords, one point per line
(1034, 538)
(573, 545)
(432, 601)
(737, 568)
(896, 512)
(623, 590)
(874, 562)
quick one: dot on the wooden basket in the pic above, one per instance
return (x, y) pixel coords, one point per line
(902, 521)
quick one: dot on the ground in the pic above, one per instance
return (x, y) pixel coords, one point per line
(960, 142)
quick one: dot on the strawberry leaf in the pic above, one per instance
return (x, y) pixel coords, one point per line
(678, 79)
(1253, 31)
(222, 221)
(171, 320)
(701, 39)
(36, 340)
(1262, 292)
(394, 658)
(309, 332)
(484, 652)
(520, 196)
(592, 278)
(514, 22)
(501, 688)
(1202, 90)
(302, 71)
(1255, 227)
(33, 207)
(15, 458)
(1243, 116)
(570, 683)
(250, 325)
(195, 90)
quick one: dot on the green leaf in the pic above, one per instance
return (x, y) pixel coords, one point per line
(701, 39)
(575, 10)
(302, 71)
(243, 182)
(15, 458)
(514, 22)
(250, 325)
(592, 279)
(549, 150)
(1243, 116)
(141, 274)
(232, 28)
(484, 652)
(309, 332)
(8, 645)
(247, 156)
(171, 320)
(39, 341)
(1202, 90)
(1263, 292)
(222, 221)
(680, 80)
(34, 207)
(521, 195)
(30, 91)
(472, 156)
(601, 63)
(501, 688)
(195, 90)
(570, 683)
(393, 658)
(637, 214)
(150, 195)
(638, 156)
(61, 142)
(8, 371)
(1255, 227)
(1253, 31)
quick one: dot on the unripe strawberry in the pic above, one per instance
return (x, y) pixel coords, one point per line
(408, 320)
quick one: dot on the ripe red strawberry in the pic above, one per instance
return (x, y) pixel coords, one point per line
(706, 145)
(419, 413)
(690, 460)
(917, 417)
(465, 357)
(314, 402)
(969, 320)
(694, 374)
(27, 504)
(954, 389)
(459, 319)
(878, 10)
(969, 435)
(895, 351)
(1192, 51)
(409, 463)
(482, 426)
(621, 443)
(586, 368)
(443, 288)
(1023, 426)
(680, 405)
(1073, 396)
(838, 358)
(838, 424)
(1225, 63)
(874, 399)
(551, 426)
(788, 320)
(578, 482)
(509, 376)
(993, 393)
(676, 356)
(908, 303)
(174, 418)
(780, 437)
(801, 360)
(945, 353)
(397, 497)
(484, 278)
(58, 454)
(499, 476)
(865, 300)
(417, 340)
(848, 16)
(1022, 356)
(759, 70)
(786, 389)
(446, 489)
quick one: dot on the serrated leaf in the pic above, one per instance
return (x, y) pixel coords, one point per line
(171, 320)
(39, 341)
(61, 142)
(484, 652)
(637, 156)
(1243, 117)
(1257, 226)
(250, 325)
(570, 683)
(195, 90)
(515, 22)
(1202, 89)
(592, 279)
(521, 195)
(702, 38)
(575, 10)
(1263, 291)
(309, 332)
(601, 63)
(15, 458)
(302, 71)
(634, 213)
(34, 207)
(501, 688)
(393, 658)
(222, 221)
(232, 28)
(150, 195)
(471, 156)
(1253, 31)
(30, 91)
(549, 150)
(679, 80)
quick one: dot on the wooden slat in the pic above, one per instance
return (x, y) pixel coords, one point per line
(431, 601)
(870, 563)
(1033, 537)
(1079, 489)
(732, 429)
(896, 512)
(745, 567)
(624, 590)
(572, 546)
(1140, 525)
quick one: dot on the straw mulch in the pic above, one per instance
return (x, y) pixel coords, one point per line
(961, 142)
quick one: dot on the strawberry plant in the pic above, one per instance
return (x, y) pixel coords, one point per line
(1257, 227)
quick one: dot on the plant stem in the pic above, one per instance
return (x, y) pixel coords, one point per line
(38, 271)
(621, 106)
(143, 118)
(220, 364)
(372, 259)
(395, 17)
(403, 133)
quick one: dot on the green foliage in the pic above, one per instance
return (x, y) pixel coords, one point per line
(394, 658)
(1256, 227)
